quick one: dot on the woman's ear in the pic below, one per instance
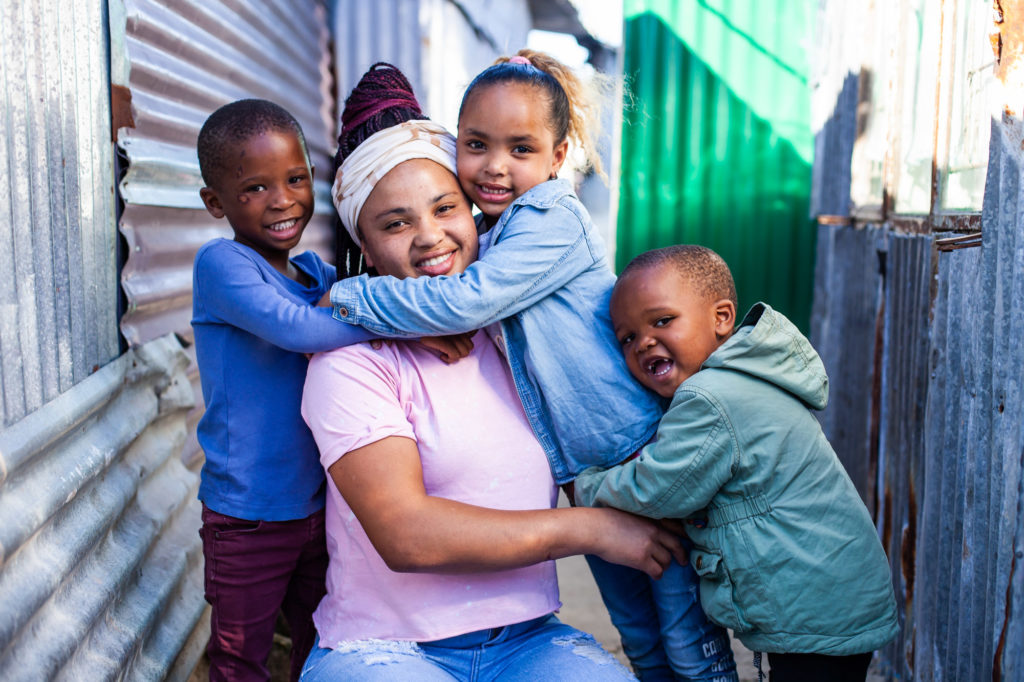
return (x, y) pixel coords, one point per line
(725, 318)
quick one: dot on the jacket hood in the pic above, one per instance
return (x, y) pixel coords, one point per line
(768, 346)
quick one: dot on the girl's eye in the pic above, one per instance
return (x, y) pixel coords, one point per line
(662, 321)
(475, 145)
(521, 149)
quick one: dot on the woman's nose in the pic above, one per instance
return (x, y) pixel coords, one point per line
(429, 233)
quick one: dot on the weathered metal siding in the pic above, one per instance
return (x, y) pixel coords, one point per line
(948, 438)
(717, 147)
(845, 328)
(100, 562)
(58, 320)
(173, 64)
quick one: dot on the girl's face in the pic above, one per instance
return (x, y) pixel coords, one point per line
(417, 221)
(505, 146)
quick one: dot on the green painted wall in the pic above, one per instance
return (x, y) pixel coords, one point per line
(717, 147)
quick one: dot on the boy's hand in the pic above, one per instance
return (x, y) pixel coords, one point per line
(325, 300)
(450, 348)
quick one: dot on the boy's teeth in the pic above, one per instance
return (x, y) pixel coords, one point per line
(285, 225)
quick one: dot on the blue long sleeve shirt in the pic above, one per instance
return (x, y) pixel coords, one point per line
(252, 327)
(544, 275)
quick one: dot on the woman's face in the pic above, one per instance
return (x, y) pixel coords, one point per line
(417, 221)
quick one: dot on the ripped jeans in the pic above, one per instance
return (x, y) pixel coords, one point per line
(539, 649)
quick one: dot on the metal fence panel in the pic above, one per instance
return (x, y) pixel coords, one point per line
(100, 562)
(58, 306)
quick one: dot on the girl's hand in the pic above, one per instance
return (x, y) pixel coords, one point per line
(638, 542)
(450, 348)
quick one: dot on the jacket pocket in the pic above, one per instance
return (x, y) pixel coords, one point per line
(716, 590)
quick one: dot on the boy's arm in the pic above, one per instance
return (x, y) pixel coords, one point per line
(541, 252)
(232, 289)
(693, 457)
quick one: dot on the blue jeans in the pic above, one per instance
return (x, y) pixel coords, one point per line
(663, 628)
(539, 649)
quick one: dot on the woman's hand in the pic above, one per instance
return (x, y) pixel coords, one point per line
(637, 542)
(450, 348)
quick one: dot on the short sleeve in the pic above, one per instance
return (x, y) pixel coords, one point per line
(352, 398)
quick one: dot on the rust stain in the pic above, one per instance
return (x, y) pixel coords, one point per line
(120, 110)
(997, 657)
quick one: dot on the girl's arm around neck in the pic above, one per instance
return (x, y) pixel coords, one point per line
(415, 532)
(539, 252)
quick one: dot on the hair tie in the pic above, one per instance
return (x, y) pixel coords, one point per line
(519, 59)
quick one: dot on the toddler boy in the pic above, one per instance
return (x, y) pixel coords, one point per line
(787, 553)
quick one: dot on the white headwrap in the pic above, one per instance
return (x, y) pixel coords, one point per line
(379, 153)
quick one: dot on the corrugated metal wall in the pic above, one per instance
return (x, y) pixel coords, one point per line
(173, 64)
(940, 451)
(58, 314)
(100, 562)
(717, 148)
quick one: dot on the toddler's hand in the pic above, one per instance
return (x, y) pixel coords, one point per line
(450, 348)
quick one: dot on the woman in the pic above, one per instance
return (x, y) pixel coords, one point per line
(440, 519)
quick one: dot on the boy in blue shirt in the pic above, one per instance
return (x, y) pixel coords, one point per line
(254, 318)
(787, 554)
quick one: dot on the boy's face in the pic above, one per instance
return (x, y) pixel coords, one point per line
(666, 327)
(266, 193)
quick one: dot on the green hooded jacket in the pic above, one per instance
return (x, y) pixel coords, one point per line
(789, 558)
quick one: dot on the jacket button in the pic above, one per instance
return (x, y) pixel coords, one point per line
(343, 312)
(700, 562)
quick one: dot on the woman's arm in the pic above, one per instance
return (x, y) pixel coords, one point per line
(540, 252)
(414, 532)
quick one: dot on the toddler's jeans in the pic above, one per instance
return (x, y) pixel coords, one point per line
(253, 570)
(663, 628)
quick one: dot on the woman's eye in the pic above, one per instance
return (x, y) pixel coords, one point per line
(446, 208)
(394, 225)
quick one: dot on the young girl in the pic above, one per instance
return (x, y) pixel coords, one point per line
(543, 282)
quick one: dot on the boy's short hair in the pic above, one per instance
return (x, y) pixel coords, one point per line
(701, 266)
(233, 124)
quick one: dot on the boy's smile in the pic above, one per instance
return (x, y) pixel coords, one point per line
(666, 327)
(266, 193)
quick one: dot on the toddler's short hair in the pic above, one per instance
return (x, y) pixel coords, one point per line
(233, 124)
(701, 266)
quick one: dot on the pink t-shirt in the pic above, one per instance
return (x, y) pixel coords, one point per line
(475, 446)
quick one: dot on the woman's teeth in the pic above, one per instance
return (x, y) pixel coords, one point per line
(436, 260)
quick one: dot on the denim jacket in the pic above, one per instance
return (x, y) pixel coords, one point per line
(543, 274)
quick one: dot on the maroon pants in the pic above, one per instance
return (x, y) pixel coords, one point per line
(253, 570)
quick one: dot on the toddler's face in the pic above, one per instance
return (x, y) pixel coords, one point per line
(418, 222)
(505, 146)
(266, 193)
(665, 327)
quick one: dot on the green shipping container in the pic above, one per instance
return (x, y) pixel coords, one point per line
(717, 146)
